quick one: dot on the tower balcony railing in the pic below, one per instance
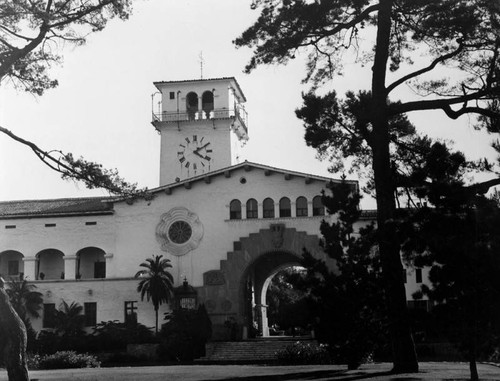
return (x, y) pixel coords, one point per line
(238, 113)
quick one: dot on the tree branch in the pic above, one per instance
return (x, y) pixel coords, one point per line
(433, 64)
(90, 173)
(442, 104)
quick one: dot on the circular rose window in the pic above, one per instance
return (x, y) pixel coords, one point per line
(180, 232)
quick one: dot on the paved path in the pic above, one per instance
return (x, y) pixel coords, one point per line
(371, 372)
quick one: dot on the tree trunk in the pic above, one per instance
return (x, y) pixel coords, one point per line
(156, 317)
(474, 375)
(12, 339)
(403, 347)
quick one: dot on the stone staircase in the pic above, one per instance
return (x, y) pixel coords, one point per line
(248, 351)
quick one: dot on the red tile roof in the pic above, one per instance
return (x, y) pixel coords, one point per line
(57, 207)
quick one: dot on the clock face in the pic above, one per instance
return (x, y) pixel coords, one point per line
(195, 154)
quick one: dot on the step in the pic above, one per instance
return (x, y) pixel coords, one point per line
(256, 350)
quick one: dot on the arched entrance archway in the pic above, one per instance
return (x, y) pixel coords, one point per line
(225, 289)
(256, 281)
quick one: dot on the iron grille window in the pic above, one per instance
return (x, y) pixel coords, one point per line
(268, 208)
(285, 207)
(301, 207)
(235, 210)
(252, 209)
(90, 312)
(318, 207)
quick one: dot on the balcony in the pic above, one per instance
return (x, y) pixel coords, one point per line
(239, 115)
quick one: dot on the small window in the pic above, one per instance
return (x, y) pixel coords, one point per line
(10, 226)
(172, 95)
(235, 210)
(50, 225)
(90, 223)
(301, 207)
(418, 275)
(131, 313)
(90, 312)
(318, 207)
(268, 208)
(285, 207)
(49, 315)
(252, 209)
(13, 267)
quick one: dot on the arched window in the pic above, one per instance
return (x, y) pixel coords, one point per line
(207, 103)
(285, 207)
(318, 207)
(301, 207)
(235, 210)
(268, 208)
(192, 105)
(252, 209)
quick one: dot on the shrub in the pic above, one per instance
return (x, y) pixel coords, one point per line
(66, 360)
(304, 353)
(184, 335)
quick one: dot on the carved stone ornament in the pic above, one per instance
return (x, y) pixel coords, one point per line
(277, 231)
(179, 231)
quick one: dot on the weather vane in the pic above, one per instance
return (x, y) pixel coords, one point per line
(201, 64)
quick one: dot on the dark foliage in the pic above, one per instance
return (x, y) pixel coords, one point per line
(184, 335)
(287, 306)
(347, 302)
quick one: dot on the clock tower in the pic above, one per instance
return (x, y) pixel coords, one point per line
(202, 124)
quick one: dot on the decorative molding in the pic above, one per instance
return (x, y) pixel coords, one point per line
(174, 215)
(213, 278)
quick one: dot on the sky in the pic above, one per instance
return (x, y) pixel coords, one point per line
(101, 109)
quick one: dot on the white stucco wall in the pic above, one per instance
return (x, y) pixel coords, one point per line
(136, 224)
(110, 296)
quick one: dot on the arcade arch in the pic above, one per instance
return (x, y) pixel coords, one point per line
(50, 264)
(90, 263)
(11, 264)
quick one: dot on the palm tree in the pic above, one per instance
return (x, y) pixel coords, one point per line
(25, 300)
(156, 282)
(69, 319)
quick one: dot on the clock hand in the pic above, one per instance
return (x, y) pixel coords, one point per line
(198, 154)
(200, 148)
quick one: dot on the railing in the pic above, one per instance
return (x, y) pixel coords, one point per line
(224, 113)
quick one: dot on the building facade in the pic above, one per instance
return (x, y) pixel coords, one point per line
(227, 226)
